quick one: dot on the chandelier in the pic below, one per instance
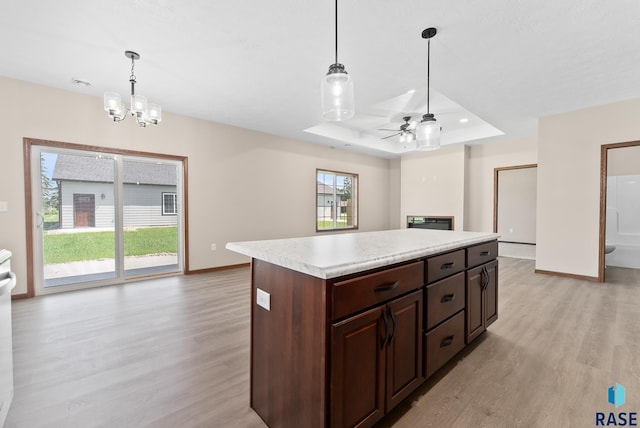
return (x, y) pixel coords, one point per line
(145, 113)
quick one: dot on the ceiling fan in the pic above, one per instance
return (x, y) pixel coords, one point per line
(405, 131)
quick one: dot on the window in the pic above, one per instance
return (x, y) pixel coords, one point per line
(336, 200)
(169, 204)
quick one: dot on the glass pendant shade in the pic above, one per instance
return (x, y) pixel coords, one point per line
(337, 94)
(154, 112)
(428, 134)
(112, 102)
(138, 105)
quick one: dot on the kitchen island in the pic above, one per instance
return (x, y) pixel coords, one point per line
(346, 326)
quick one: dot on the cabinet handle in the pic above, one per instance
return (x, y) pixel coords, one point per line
(447, 265)
(393, 329)
(447, 298)
(386, 329)
(485, 278)
(485, 253)
(386, 287)
(447, 341)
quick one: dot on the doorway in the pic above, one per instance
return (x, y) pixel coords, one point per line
(98, 216)
(619, 207)
(514, 210)
(84, 210)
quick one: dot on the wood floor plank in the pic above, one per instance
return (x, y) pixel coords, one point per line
(174, 352)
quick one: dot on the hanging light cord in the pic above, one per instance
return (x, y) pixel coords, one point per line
(428, 70)
(336, 31)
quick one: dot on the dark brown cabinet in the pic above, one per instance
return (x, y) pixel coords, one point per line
(343, 351)
(376, 361)
(482, 299)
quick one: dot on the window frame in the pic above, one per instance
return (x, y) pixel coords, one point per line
(335, 214)
(175, 203)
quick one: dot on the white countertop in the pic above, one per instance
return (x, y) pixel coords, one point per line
(330, 256)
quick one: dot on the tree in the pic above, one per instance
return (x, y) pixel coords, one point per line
(49, 188)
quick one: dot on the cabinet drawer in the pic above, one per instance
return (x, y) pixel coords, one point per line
(439, 267)
(479, 254)
(364, 291)
(442, 343)
(444, 298)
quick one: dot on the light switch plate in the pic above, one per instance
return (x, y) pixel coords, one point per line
(4, 206)
(263, 299)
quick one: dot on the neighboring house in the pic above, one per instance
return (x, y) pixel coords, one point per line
(86, 192)
(325, 203)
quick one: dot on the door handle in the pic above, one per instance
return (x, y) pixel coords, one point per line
(393, 329)
(39, 220)
(386, 328)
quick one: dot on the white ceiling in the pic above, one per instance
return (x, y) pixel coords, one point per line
(258, 64)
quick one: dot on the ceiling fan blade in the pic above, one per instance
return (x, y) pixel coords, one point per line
(384, 138)
(386, 129)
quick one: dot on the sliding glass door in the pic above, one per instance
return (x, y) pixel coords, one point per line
(102, 218)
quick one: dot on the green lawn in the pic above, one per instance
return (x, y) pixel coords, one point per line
(72, 247)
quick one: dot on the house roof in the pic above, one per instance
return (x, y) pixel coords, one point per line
(327, 189)
(94, 169)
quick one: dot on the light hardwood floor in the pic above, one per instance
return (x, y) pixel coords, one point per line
(174, 352)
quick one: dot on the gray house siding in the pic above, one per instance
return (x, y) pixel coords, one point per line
(86, 186)
(142, 204)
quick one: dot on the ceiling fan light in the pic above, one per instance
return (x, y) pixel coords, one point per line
(428, 134)
(337, 94)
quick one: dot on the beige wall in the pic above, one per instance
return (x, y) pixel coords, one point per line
(481, 162)
(432, 184)
(569, 183)
(242, 184)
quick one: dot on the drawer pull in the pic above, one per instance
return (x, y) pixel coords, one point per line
(447, 341)
(447, 265)
(485, 253)
(386, 287)
(447, 298)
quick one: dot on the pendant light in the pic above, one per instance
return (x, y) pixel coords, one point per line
(144, 113)
(337, 89)
(428, 130)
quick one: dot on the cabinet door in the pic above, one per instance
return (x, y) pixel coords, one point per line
(482, 299)
(475, 305)
(358, 346)
(491, 293)
(404, 347)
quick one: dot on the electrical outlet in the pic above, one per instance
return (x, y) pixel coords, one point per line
(213, 247)
(263, 299)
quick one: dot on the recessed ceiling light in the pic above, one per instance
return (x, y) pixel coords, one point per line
(464, 120)
(80, 82)
(411, 91)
